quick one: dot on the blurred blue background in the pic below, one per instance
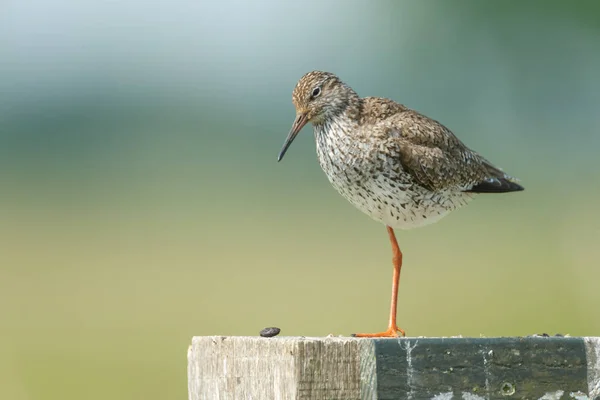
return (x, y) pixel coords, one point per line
(142, 202)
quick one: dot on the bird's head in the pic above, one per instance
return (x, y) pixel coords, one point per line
(317, 97)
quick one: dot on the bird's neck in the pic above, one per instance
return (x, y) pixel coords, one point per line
(338, 130)
(343, 117)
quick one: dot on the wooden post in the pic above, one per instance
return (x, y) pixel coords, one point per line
(544, 368)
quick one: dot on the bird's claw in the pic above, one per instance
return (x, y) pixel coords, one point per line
(391, 332)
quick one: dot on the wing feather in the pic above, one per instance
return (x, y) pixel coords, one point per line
(437, 160)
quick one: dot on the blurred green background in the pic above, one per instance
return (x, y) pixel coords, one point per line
(142, 202)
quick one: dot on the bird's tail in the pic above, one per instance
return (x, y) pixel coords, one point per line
(496, 182)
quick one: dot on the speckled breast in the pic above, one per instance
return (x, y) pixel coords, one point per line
(375, 183)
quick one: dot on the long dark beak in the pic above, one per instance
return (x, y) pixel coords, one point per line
(301, 120)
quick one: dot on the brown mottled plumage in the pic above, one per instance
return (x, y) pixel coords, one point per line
(394, 164)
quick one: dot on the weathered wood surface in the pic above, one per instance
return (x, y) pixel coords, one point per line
(545, 368)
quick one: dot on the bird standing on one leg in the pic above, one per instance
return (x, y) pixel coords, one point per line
(398, 166)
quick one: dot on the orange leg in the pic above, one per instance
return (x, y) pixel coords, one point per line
(392, 330)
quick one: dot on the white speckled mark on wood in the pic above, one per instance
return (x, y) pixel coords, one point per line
(592, 348)
(410, 374)
(553, 396)
(443, 396)
(470, 396)
(579, 396)
(486, 367)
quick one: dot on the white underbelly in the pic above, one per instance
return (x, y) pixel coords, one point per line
(402, 207)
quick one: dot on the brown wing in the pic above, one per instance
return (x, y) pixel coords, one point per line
(437, 159)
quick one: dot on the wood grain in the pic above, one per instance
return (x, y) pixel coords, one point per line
(332, 368)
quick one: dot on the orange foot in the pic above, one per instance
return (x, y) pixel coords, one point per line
(392, 331)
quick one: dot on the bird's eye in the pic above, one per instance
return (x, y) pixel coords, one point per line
(316, 91)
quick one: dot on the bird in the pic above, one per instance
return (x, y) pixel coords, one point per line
(396, 165)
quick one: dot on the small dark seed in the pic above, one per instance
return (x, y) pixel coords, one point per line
(270, 332)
